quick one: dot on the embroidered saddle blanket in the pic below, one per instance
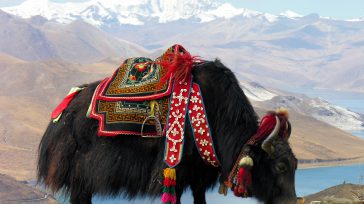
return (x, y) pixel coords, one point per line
(134, 100)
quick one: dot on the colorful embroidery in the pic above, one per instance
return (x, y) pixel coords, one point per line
(200, 127)
(176, 122)
(127, 117)
(122, 103)
(136, 77)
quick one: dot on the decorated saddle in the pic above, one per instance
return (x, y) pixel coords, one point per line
(135, 99)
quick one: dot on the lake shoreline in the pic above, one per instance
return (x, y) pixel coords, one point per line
(348, 162)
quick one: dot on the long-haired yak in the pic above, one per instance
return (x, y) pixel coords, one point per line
(249, 156)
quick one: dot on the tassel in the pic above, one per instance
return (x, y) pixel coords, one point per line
(236, 191)
(244, 180)
(223, 189)
(166, 198)
(169, 184)
(244, 176)
(179, 64)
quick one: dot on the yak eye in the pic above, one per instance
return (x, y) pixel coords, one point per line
(281, 167)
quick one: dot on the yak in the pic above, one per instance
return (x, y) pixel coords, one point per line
(75, 160)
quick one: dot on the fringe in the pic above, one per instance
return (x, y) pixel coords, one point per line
(169, 184)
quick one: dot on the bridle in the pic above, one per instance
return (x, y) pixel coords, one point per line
(273, 125)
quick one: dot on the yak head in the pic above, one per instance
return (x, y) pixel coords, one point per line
(273, 172)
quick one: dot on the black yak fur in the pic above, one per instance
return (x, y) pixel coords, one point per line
(74, 159)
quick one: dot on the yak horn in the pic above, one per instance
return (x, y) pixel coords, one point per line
(267, 143)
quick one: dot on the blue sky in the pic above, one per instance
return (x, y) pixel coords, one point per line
(339, 9)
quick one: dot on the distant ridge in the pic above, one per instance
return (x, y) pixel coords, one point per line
(79, 42)
(138, 12)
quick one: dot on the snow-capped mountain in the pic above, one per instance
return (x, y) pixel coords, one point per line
(256, 92)
(137, 12)
(315, 107)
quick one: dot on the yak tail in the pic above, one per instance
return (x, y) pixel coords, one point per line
(55, 154)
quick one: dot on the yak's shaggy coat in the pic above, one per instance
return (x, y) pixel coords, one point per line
(74, 158)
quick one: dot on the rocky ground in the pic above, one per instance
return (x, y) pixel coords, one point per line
(341, 194)
(15, 192)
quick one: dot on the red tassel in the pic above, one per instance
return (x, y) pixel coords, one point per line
(169, 182)
(244, 180)
(236, 191)
(248, 180)
(241, 189)
(240, 175)
(179, 64)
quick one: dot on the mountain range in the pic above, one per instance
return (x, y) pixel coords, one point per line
(138, 12)
(286, 50)
(312, 107)
(37, 38)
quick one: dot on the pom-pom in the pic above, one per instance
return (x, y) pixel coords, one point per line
(282, 111)
(223, 189)
(169, 183)
(173, 199)
(246, 161)
(166, 198)
(179, 63)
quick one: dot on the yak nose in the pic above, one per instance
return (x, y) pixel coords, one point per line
(300, 200)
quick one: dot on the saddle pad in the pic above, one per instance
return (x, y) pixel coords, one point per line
(127, 117)
(122, 103)
(138, 79)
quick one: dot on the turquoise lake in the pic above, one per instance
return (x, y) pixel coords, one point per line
(308, 181)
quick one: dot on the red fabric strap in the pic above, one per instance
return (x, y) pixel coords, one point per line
(176, 121)
(200, 127)
(64, 104)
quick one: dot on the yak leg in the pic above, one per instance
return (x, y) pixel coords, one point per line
(198, 191)
(81, 198)
(178, 195)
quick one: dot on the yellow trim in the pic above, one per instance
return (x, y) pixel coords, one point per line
(152, 104)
